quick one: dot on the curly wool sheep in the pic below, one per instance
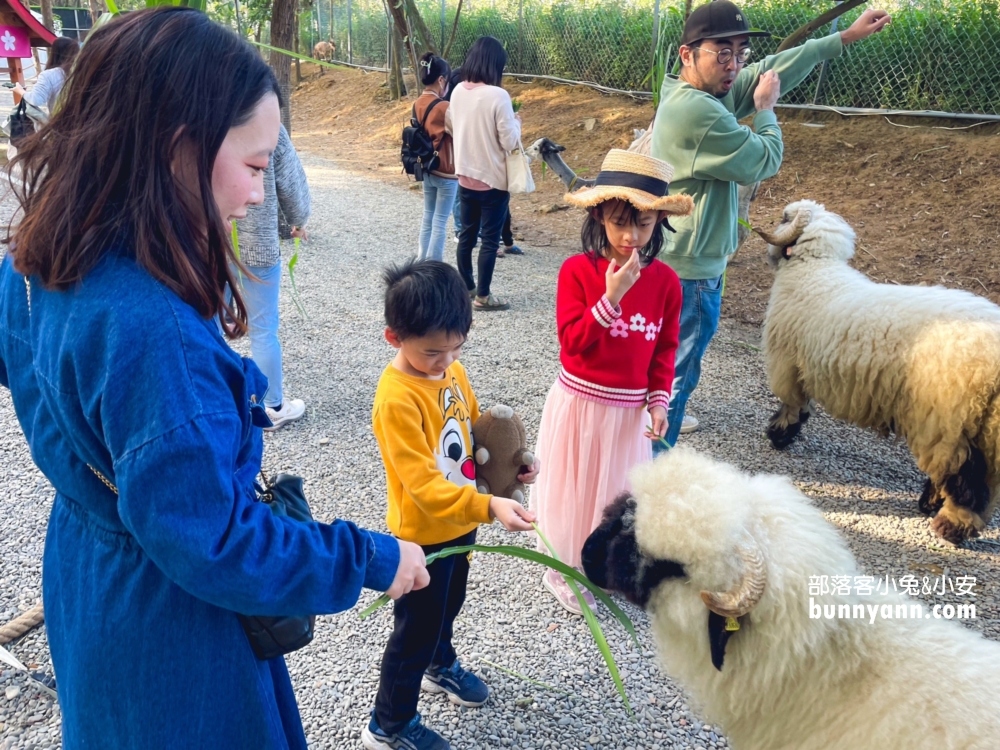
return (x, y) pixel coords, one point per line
(922, 362)
(698, 541)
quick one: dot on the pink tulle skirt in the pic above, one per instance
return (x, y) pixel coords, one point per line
(586, 450)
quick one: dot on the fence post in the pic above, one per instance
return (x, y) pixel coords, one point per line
(350, 33)
(656, 33)
(520, 36)
(442, 26)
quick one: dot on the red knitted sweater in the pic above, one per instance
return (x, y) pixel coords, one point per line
(620, 356)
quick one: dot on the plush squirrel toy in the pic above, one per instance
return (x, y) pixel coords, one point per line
(500, 452)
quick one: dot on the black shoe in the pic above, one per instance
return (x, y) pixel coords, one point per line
(513, 250)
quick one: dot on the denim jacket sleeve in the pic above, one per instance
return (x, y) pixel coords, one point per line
(180, 498)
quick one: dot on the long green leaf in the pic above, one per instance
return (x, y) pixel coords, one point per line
(533, 556)
(595, 628)
(112, 8)
(572, 576)
(292, 262)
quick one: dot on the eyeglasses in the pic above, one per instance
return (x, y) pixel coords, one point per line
(725, 55)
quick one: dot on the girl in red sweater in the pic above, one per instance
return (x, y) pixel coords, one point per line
(617, 313)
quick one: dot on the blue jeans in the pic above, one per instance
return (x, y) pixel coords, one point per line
(702, 303)
(261, 299)
(439, 198)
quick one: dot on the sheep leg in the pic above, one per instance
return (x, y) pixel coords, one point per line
(966, 500)
(931, 499)
(786, 423)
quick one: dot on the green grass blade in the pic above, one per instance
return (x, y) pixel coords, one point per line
(292, 263)
(304, 58)
(112, 8)
(533, 556)
(573, 577)
(745, 224)
(525, 678)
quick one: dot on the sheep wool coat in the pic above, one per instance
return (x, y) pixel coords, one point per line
(141, 588)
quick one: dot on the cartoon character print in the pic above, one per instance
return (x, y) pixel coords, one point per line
(454, 449)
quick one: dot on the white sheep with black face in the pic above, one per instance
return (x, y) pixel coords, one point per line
(698, 541)
(923, 362)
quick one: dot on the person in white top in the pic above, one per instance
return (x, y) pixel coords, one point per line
(43, 95)
(484, 128)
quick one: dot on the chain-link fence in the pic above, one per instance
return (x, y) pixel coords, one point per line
(937, 55)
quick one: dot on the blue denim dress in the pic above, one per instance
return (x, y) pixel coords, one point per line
(140, 589)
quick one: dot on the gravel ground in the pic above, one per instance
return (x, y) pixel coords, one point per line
(866, 485)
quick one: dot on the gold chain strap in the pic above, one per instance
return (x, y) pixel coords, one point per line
(27, 286)
(103, 479)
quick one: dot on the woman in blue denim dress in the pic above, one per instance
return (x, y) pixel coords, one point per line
(144, 420)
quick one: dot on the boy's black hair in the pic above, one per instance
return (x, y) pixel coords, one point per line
(426, 297)
(485, 62)
(595, 239)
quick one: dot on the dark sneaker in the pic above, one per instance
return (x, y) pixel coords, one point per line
(414, 736)
(460, 685)
(513, 250)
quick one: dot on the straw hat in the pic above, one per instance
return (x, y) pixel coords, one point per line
(638, 179)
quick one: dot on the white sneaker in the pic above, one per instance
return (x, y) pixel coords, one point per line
(291, 409)
(688, 425)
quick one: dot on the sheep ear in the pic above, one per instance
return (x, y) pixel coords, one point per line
(718, 637)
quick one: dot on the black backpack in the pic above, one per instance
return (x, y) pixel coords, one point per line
(418, 154)
(21, 126)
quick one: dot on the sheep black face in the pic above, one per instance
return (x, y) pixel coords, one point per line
(612, 559)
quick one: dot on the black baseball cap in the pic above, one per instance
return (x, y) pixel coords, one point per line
(719, 19)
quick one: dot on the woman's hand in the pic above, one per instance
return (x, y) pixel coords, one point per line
(301, 233)
(511, 514)
(621, 280)
(411, 574)
(531, 475)
(659, 428)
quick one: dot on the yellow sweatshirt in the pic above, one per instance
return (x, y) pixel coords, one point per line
(424, 432)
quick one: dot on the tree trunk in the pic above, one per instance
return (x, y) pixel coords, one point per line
(397, 87)
(96, 9)
(47, 13)
(283, 24)
(417, 23)
(403, 31)
(298, 36)
(801, 33)
(333, 30)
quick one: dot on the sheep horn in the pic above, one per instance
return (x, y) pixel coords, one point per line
(747, 592)
(785, 237)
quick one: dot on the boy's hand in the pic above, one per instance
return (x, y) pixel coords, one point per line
(531, 475)
(511, 514)
(412, 571)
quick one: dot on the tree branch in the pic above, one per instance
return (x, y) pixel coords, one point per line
(806, 29)
(454, 30)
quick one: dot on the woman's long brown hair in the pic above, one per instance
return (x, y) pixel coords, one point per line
(150, 92)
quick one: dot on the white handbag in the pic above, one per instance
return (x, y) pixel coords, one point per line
(519, 179)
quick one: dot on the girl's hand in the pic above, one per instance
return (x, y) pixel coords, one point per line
(659, 429)
(301, 233)
(511, 514)
(530, 476)
(621, 280)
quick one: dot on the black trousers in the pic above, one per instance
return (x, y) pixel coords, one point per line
(424, 626)
(483, 213)
(505, 234)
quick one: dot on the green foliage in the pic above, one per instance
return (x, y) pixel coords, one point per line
(934, 55)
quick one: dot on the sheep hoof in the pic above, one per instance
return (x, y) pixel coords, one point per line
(781, 436)
(930, 499)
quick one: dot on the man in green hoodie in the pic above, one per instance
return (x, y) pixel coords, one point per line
(697, 131)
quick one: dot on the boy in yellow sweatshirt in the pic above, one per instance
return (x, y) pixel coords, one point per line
(422, 418)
